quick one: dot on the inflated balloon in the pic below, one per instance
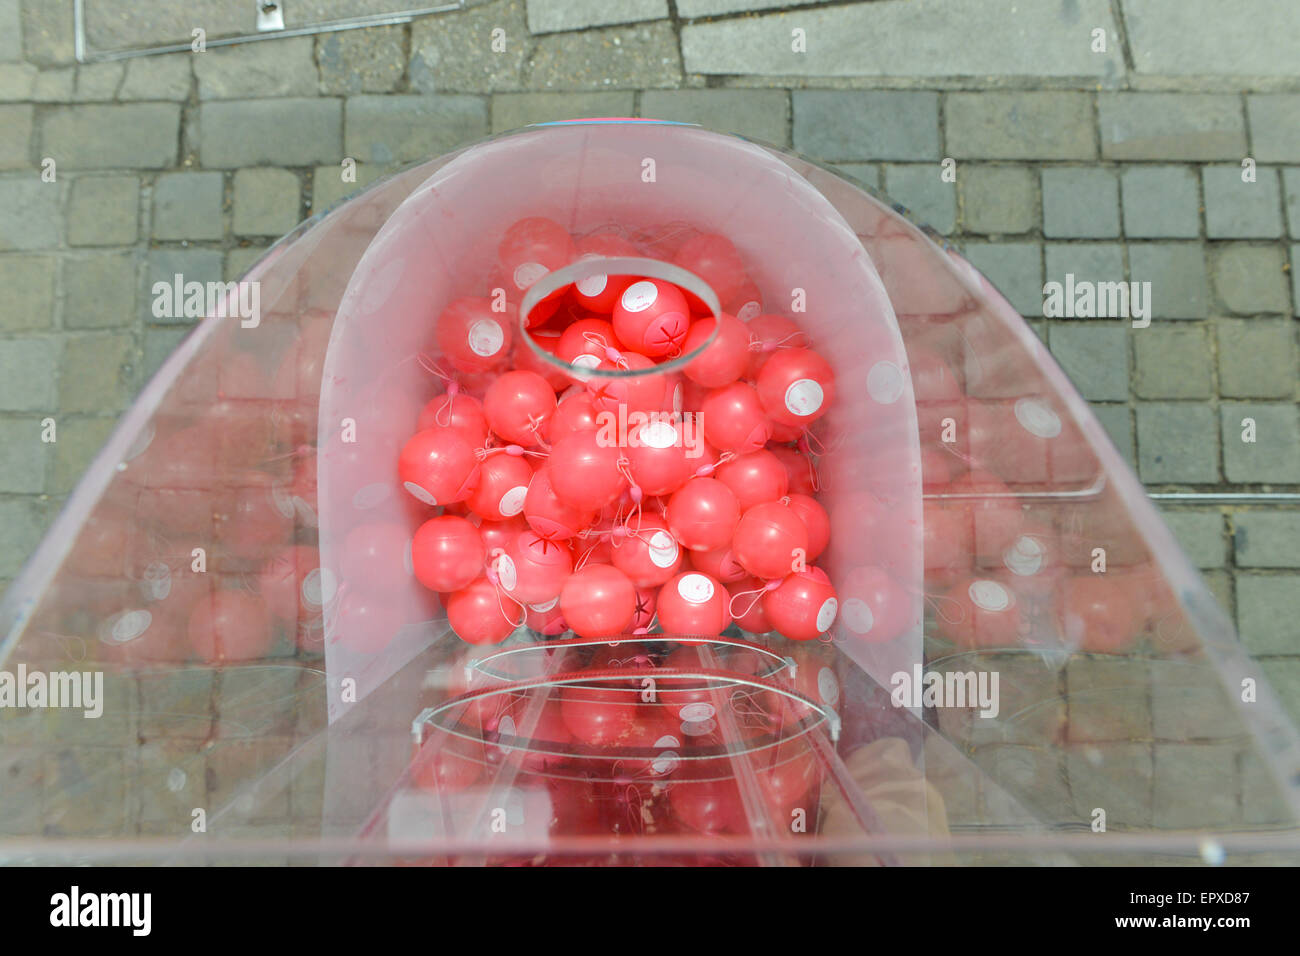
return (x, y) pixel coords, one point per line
(628, 392)
(1098, 615)
(546, 618)
(598, 293)
(588, 342)
(715, 260)
(719, 564)
(474, 337)
(745, 601)
(438, 467)
(230, 625)
(530, 249)
(770, 540)
(980, 612)
(874, 607)
(657, 457)
(526, 359)
(800, 470)
(502, 486)
(695, 604)
(815, 520)
(602, 716)
(767, 334)
(703, 514)
(480, 614)
(709, 805)
(796, 386)
(725, 358)
(576, 412)
(755, 477)
(803, 607)
(447, 553)
(497, 534)
(456, 412)
(746, 304)
(649, 555)
(584, 470)
(651, 317)
(517, 406)
(734, 420)
(533, 569)
(643, 619)
(598, 601)
(547, 515)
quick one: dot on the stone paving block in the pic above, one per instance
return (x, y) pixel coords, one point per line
(1204, 37)
(285, 67)
(158, 344)
(1176, 271)
(16, 81)
(15, 136)
(55, 86)
(329, 188)
(1196, 786)
(1108, 699)
(28, 299)
(1261, 800)
(112, 136)
(99, 290)
(11, 30)
(711, 8)
(386, 129)
(163, 77)
(1028, 125)
(1268, 606)
(282, 132)
(1172, 362)
(1240, 210)
(919, 187)
(899, 38)
(176, 704)
(998, 199)
(1080, 202)
(1201, 535)
(22, 467)
(1250, 279)
(266, 202)
(31, 213)
(1114, 777)
(29, 374)
(1257, 358)
(372, 60)
(1177, 443)
(759, 114)
(1295, 279)
(515, 110)
(1086, 261)
(97, 372)
(1033, 775)
(1014, 268)
(1185, 127)
(1291, 198)
(1283, 675)
(1160, 202)
(47, 31)
(188, 206)
(1266, 539)
(98, 82)
(80, 440)
(555, 16)
(1095, 356)
(1274, 455)
(643, 57)
(22, 523)
(104, 211)
(835, 125)
(1118, 422)
(163, 265)
(1274, 125)
(239, 261)
(868, 174)
(454, 52)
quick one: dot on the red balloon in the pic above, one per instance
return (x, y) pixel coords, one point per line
(694, 604)
(598, 601)
(747, 303)
(746, 603)
(480, 614)
(230, 626)
(546, 618)
(375, 558)
(547, 515)
(438, 467)
(734, 420)
(980, 612)
(598, 293)
(533, 569)
(709, 806)
(447, 553)
(799, 469)
(458, 413)
(1098, 614)
(502, 487)
(518, 405)
(587, 342)
(531, 248)
(815, 520)
(769, 333)
(803, 606)
(719, 564)
(657, 457)
(650, 555)
(755, 477)
(576, 413)
(796, 386)
(628, 392)
(497, 534)
(703, 514)
(875, 608)
(602, 716)
(472, 336)
(725, 359)
(584, 470)
(526, 359)
(769, 538)
(647, 601)
(715, 260)
(652, 317)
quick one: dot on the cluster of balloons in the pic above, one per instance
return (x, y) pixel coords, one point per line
(582, 485)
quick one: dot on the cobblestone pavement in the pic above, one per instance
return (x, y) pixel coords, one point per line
(1102, 138)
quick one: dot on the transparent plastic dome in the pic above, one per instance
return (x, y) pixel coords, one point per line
(1021, 666)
